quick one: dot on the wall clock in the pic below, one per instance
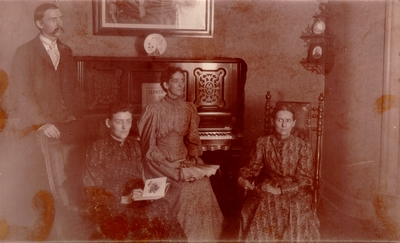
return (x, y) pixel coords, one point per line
(318, 40)
(319, 27)
(155, 44)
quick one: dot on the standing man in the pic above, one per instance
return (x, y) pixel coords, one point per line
(42, 97)
(43, 78)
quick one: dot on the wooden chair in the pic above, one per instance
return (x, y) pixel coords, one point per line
(309, 123)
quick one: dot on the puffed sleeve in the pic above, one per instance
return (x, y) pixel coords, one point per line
(153, 157)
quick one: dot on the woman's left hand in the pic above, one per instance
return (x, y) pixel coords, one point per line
(271, 189)
(136, 193)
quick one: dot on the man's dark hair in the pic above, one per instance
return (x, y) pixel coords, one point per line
(119, 107)
(166, 75)
(39, 11)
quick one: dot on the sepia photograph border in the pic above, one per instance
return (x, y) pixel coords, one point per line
(101, 27)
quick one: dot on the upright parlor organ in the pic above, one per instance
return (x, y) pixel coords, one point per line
(215, 86)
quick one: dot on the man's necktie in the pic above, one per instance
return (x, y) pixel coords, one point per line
(54, 55)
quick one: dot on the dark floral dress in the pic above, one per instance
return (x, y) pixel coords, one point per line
(289, 217)
(113, 169)
(169, 132)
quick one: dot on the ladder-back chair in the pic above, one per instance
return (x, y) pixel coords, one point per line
(309, 122)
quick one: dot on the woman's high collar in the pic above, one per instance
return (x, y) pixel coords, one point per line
(172, 100)
(113, 140)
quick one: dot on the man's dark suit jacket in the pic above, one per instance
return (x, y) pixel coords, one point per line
(37, 93)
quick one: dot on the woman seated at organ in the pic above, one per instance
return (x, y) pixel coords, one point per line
(113, 178)
(278, 205)
(171, 147)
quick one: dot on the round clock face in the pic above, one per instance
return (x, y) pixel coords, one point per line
(319, 27)
(155, 44)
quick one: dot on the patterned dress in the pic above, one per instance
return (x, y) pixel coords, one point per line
(169, 132)
(113, 169)
(288, 164)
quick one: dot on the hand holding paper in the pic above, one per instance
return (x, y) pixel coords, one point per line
(153, 189)
(198, 171)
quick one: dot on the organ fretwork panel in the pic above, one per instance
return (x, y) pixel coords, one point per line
(216, 87)
(209, 88)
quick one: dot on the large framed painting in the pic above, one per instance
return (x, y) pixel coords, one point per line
(183, 18)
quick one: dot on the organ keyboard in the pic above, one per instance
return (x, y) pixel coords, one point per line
(216, 140)
(216, 135)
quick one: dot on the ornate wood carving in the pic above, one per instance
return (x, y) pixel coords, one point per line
(210, 87)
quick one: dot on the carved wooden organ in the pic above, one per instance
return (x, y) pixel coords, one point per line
(215, 86)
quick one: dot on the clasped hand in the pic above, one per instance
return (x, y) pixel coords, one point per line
(265, 187)
(271, 189)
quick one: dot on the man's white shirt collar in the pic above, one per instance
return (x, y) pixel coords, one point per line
(47, 42)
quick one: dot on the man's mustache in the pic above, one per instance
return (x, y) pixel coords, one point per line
(59, 28)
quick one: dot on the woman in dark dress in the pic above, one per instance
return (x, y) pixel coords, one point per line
(171, 147)
(278, 205)
(113, 170)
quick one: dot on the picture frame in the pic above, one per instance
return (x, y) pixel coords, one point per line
(194, 18)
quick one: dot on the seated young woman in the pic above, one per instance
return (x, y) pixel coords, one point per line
(171, 147)
(113, 171)
(278, 205)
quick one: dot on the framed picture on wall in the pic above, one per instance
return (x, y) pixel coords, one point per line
(184, 18)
